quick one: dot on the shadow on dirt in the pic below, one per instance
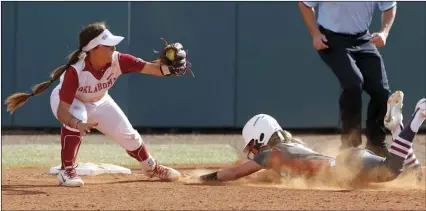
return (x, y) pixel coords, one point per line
(21, 189)
(128, 181)
(267, 187)
(211, 184)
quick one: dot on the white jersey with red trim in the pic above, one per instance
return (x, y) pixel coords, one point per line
(91, 89)
(81, 81)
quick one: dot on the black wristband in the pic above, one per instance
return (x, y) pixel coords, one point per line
(209, 177)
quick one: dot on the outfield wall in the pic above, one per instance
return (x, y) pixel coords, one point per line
(248, 57)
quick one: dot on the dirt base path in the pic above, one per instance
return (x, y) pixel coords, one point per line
(34, 189)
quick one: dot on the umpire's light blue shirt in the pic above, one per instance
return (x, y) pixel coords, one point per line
(347, 17)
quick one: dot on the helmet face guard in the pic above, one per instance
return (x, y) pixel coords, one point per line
(254, 144)
(248, 150)
(257, 132)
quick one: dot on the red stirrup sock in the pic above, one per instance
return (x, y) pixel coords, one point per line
(140, 154)
(70, 144)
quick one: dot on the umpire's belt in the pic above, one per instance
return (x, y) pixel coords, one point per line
(326, 31)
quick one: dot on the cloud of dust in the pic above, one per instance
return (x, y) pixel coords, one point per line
(322, 181)
(404, 182)
(329, 147)
(269, 178)
(192, 177)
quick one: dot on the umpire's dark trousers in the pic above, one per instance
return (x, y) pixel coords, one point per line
(358, 66)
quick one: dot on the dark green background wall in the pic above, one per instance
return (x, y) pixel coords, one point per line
(248, 57)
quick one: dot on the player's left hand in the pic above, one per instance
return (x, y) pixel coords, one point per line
(378, 39)
(175, 58)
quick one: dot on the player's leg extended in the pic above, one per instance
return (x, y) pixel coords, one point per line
(114, 123)
(393, 121)
(377, 169)
(70, 142)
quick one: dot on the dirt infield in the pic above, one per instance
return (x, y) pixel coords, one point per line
(34, 189)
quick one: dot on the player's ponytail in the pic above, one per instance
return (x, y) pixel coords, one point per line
(86, 35)
(18, 99)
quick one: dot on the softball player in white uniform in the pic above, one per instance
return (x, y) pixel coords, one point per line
(81, 101)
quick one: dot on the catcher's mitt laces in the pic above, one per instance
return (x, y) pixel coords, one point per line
(165, 44)
(189, 65)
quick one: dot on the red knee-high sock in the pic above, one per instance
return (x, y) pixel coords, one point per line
(140, 154)
(70, 143)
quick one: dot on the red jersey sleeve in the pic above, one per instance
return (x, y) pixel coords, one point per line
(69, 86)
(130, 64)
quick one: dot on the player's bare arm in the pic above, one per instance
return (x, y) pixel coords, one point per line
(172, 61)
(233, 173)
(65, 117)
(153, 69)
(256, 135)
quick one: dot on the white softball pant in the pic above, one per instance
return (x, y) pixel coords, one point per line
(110, 118)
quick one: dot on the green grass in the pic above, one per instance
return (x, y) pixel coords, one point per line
(48, 155)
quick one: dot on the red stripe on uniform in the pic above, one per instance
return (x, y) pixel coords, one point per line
(402, 144)
(409, 156)
(399, 150)
(411, 162)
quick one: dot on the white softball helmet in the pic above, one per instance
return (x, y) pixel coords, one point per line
(258, 130)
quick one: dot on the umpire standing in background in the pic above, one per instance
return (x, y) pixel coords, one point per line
(344, 43)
